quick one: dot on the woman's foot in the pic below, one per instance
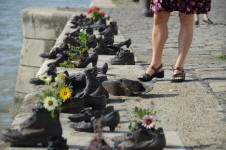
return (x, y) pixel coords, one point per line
(152, 72)
(208, 21)
(178, 74)
(196, 22)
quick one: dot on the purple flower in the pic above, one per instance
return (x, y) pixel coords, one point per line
(64, 56)
(148, 122)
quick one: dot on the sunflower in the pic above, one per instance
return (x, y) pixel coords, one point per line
(50, 103)
(46, 78)
(65, 93)
(148, 122)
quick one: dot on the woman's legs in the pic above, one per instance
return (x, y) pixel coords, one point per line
(184, 39)
(159, 37)
(196, 19)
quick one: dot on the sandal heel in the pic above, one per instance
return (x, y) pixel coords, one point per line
(157, 74)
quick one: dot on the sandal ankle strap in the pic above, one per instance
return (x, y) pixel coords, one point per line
(156, 69)
(178, 68)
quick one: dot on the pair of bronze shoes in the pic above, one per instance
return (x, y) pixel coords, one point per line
(103, 118)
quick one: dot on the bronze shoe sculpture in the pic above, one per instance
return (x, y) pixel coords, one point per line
(57, 143)
(141, 139)
(123, 57)
(124, 87)
(110, 120)
(87, 113)
(35, 130)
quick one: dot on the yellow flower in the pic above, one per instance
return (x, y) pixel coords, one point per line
(60, 78)
(65, 93)
(50, 103)
(46, 78)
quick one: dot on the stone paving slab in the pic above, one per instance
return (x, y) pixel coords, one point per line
(219, 86)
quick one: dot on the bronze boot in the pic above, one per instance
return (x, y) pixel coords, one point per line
(35, 130)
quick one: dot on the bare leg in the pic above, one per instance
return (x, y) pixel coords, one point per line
(196, 17)
(184, 39)
(205, 16)
(159, 37)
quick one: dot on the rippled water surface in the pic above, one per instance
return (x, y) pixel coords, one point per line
(11, 42)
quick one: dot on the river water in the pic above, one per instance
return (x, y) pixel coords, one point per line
(11, 42)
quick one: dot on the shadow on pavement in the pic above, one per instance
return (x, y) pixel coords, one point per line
(159, 95)
(188, 147)
(220, 79)
(110, 101)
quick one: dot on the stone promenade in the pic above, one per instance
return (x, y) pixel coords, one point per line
(192, 113)
(196, 109)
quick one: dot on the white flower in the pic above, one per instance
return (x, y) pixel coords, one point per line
(83, 31)
(148, 122)
(50, 103)
(46, 78)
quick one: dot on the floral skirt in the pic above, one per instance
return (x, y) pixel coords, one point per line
(183, 6)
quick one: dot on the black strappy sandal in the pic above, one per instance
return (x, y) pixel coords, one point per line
(146, 77)
(180, 75)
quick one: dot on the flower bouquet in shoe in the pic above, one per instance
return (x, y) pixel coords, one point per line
(97, 16)
(77, 57)
(44, 121)
(95, 20)
(143, 133)
(60, 94)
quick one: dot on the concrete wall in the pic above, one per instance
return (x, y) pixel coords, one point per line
(41, 28)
